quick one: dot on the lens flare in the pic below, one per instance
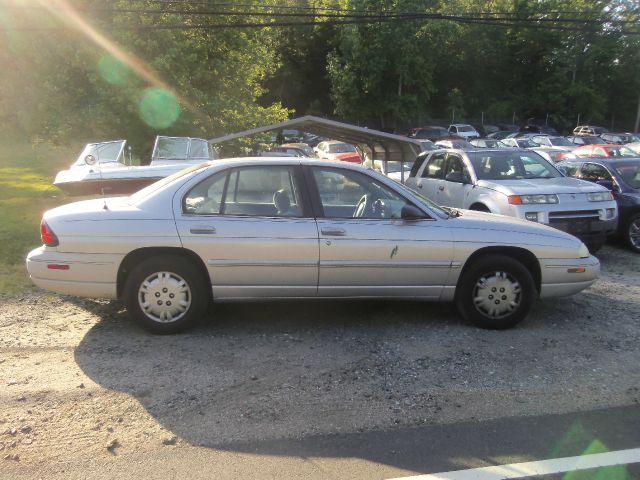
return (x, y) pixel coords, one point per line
(159, 108)
(112, 70)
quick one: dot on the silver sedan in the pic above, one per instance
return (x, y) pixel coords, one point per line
(264, 228)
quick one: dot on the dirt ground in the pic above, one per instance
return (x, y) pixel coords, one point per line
(78, 381)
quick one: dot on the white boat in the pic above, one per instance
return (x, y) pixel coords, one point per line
(102, 168)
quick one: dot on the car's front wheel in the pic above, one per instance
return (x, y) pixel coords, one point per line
(495, 291)
(632, 231)
(166, 294)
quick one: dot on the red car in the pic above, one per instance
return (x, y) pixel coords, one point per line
(604, 150)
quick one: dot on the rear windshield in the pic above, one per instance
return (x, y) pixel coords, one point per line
(506, 165)
(465, 128)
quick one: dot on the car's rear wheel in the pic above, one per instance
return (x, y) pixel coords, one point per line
(495, 291)
(632, 231)
(166, 294)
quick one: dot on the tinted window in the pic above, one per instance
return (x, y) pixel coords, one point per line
(630, 173)
(593, 172)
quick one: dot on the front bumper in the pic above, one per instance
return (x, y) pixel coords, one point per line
(563, 277)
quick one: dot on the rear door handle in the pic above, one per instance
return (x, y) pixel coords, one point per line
(203, 231)
(334, 232)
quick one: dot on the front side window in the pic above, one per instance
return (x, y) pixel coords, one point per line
(434, 167)
(347, 194)
(456, 165)
(269, 191)
(594, 172)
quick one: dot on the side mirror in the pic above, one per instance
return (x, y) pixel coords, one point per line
(457, 177)
(90, 160)
(410, 212)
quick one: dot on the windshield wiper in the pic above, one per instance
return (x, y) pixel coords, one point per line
(453, 212)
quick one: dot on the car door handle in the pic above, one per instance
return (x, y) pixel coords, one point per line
(441, 187)
(203, 231)
(334, 232)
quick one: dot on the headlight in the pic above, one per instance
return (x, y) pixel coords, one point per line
(528, 199)
(599, 196)
(584, 251)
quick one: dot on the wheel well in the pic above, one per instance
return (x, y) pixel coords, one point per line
(525, 257)
(479, 207)
(136, 256)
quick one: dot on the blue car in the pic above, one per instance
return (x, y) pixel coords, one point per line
(622, 177)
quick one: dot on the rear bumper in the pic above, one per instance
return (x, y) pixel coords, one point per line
(558, 281)
(86, 275)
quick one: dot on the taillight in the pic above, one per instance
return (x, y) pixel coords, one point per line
(47, 236)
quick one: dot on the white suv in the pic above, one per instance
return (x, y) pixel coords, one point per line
(463, 130)
(518, 183)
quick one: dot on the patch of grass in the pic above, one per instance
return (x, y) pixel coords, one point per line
(26, 192)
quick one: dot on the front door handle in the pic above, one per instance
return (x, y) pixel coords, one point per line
(203, 231)
(333, 232)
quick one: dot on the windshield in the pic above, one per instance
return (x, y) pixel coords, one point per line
(104, 152)
(630, 173)
(341, 148)
(171, 147)
(506, 165)
(560, 142)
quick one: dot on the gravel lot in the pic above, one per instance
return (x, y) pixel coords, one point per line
(79, 381)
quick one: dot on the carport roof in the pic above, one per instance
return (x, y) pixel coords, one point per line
(381, 145)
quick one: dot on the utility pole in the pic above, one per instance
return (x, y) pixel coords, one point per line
(635, 129)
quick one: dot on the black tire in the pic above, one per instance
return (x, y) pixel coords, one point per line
(594, 246)
(513, 284)
(632, 232)
(480, 208)
(174, 290)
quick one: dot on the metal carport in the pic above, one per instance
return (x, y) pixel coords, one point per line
(374, 144)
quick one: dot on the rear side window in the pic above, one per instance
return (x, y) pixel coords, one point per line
(269, 191)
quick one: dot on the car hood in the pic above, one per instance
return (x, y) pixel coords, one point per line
(534, 186)
(501, 230)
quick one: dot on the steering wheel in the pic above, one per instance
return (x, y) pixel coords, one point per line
(362, 206)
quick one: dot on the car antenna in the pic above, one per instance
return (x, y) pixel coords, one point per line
(104, 198)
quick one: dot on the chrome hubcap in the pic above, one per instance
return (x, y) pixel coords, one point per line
(634, 233)
(497, 294)
(164, 297)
